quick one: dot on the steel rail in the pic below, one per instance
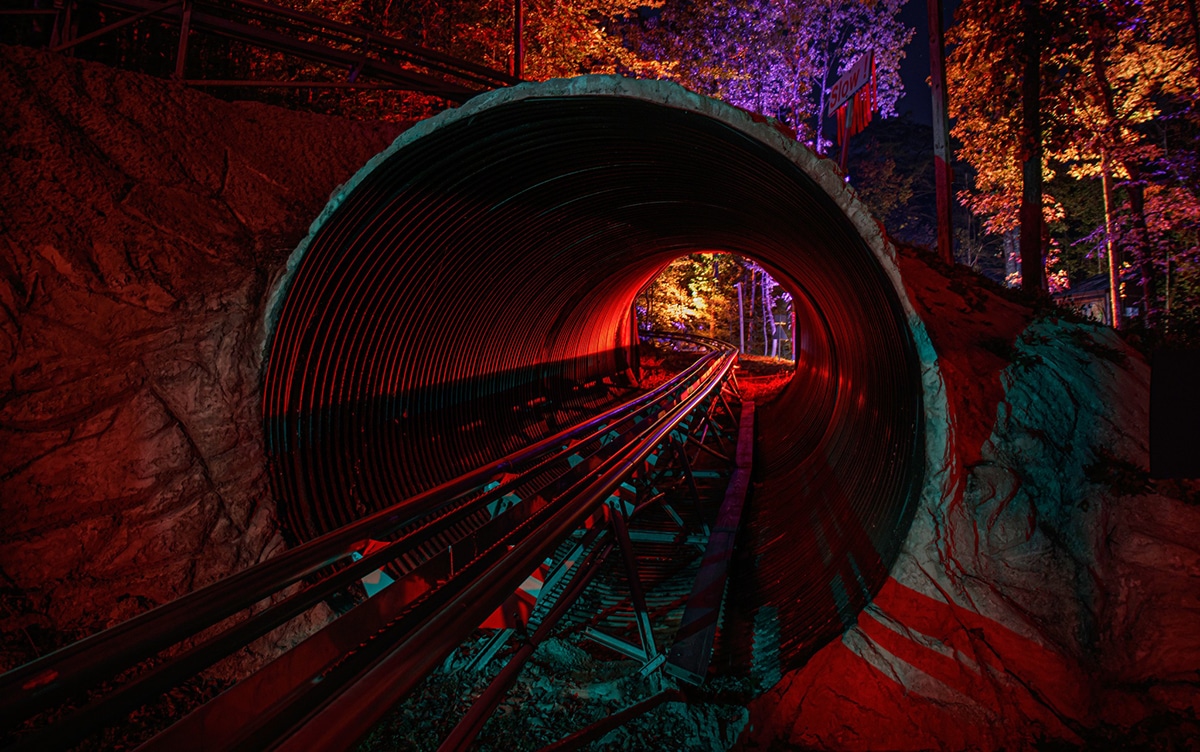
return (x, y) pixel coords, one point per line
(416, 54)
(40, 683)
(362, 51)
(471, 724)
(255, 715)
(424, 643)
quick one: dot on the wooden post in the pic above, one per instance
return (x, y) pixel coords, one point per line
(941, 133)
(847, 119)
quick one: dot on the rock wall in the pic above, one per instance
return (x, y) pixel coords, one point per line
(1048, 592)
(142, 224)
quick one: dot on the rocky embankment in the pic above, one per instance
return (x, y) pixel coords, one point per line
(141, 225)
(1048, 592)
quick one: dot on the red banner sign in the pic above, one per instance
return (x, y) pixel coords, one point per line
(854, 79)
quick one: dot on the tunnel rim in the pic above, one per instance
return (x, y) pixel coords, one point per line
(934, 432)
(769, 132)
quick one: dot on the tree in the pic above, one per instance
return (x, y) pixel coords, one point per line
(698, 294)
(985, 77)
(1125, 62)
(1112, 72)
(561, 38)
(778, 57)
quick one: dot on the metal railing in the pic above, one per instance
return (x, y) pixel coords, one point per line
(366, 59)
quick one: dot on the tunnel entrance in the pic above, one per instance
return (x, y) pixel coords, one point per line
(489, 262)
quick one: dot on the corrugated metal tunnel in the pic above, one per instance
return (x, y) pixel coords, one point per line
(474, 283)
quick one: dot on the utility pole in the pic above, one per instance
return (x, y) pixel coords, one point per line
(941, 133)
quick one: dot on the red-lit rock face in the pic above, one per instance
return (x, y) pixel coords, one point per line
(142, 224)
(1048, 594)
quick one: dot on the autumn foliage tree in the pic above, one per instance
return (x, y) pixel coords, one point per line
(701, 293)
(1118, 98)
(560, 38)
(777, 57)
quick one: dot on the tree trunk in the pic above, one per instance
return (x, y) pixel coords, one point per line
(1114, 263)
(1033, 270)
(1012, 257)
(826, 66)
(1137, 205)
(1194, 22)
(518, 44)
(753, 288)
(1111, 138)
(768, 319)
(741, 319)
(821, 111)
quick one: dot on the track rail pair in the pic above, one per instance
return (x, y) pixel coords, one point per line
(332, 688)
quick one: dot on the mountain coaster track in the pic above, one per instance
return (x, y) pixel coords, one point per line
(367, 59)
(576, 492)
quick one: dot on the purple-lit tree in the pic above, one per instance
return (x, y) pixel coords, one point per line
(779, 57)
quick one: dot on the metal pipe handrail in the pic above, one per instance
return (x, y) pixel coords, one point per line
(221, 23)
(414, 53)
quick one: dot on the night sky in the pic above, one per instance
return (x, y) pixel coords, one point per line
(914, 70)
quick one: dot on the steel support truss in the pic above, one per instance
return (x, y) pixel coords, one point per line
(659, 476)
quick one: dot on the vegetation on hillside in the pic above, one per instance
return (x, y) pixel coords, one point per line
(1117, 106)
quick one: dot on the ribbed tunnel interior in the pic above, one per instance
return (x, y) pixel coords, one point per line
(471, 284)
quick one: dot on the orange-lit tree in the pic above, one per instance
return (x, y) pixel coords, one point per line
(699, 294)
(560, 38)
(1118, 81)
